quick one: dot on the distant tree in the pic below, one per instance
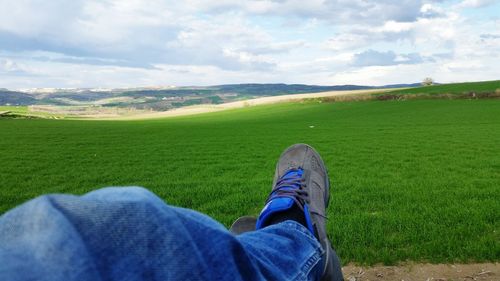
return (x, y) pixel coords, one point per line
(427, 81)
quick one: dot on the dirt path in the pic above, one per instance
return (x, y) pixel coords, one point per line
(197, 109)
(424, 272)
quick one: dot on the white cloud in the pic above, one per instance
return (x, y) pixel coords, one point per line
(347, 40)
(8, 65)
(475, 3)
(372, 57)
(38, 18)
(195, 42)
(248, 60)
(337, 11)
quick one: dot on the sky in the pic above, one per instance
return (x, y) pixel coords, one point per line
(131, 43)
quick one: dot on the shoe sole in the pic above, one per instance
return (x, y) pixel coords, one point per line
(243, 224)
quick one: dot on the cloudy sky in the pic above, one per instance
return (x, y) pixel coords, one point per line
(128, 43)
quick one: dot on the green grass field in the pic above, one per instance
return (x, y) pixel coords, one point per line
(486, 87)
(412, 180)
(24, 112)
(15, 109)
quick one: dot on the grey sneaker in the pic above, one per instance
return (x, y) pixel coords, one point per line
(301, 180)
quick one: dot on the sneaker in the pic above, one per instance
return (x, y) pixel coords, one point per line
(301, 180)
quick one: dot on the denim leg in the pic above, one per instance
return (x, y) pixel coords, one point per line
(130, 234)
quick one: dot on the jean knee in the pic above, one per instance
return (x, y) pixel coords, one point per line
(126, 193)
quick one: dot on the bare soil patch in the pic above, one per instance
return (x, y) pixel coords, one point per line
(425, 272)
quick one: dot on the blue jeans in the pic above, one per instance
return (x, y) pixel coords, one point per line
(131, 234)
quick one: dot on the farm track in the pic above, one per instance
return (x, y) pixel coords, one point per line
(427, 272)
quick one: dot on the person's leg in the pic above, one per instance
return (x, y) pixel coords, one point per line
(301, 192)
(130, 234)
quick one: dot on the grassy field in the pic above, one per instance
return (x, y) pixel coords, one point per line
(25, 112)
(486, 87)
(15, 109)
(412, 180)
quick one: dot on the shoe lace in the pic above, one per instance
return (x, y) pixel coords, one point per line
(291, 186)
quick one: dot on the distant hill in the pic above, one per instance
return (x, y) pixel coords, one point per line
(16, 98)
(256, 90)
(281, 89)
(286, 89)
(167, 98)
(413, 85)
(81, 96)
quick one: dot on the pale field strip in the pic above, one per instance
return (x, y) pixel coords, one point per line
(205, 108)
(424, 272)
